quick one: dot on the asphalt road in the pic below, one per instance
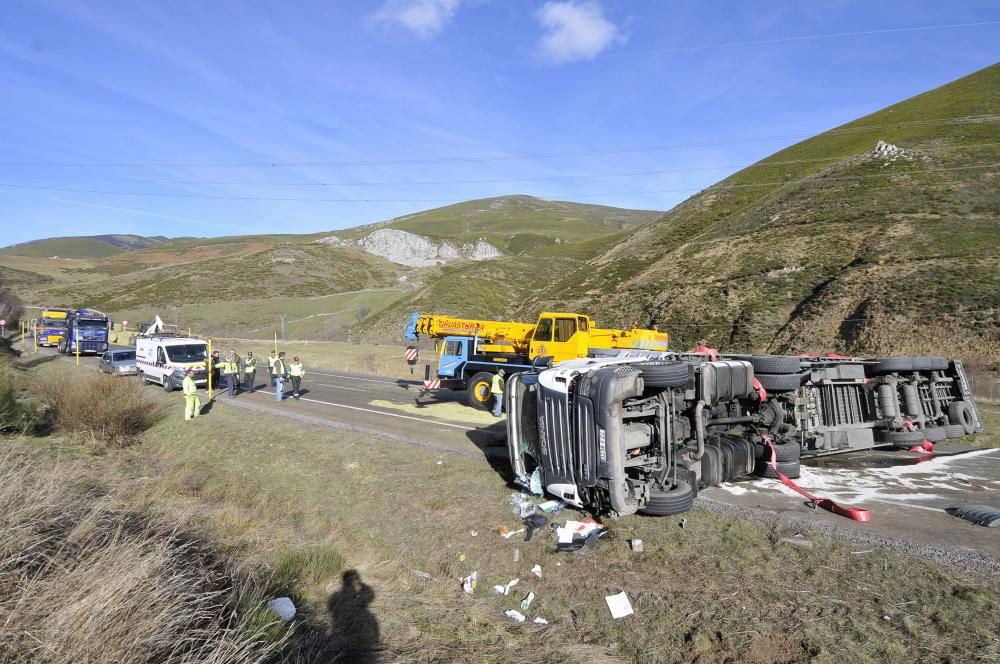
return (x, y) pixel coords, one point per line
(907, 494)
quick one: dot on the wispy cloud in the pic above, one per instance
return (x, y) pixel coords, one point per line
(576, 30)
(425, 18)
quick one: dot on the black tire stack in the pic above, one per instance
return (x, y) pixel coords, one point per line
(778, 373)
(786, 460)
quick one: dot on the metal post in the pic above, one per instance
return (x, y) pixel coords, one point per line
(283, 317)
(208, 365)
(76, 333)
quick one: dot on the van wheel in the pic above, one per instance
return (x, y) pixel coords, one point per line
(479, 390)
(168, 384)
(142, 378)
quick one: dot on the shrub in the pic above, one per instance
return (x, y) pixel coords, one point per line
(104, 411)
(81, 581)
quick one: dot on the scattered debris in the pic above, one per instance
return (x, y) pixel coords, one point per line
(423, 575)
(516, 616)
(505, 590)
(552, 506)
(534, 522)
(537, 571)
(619, 605)
(517, 555)
(473, 533)
(885, 617)
(503, 530)
(684, 522)
(522, 504)
(511, 533)
(981, 515)
(540, 621)
(440, 463)
(636, 545)
(797, 541)
(574, 535)
(283, 607)
(526, 602)
(469, 583)
(461, 557)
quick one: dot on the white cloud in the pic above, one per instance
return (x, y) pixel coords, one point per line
(426, 18)
(576, 30)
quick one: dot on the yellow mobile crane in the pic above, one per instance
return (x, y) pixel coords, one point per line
(473, 350)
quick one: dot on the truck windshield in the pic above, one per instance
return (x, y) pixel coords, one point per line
(91, 324)
(187, 353)
(53, 322)
(526, 406)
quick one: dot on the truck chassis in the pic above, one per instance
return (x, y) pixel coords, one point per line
(643, 432)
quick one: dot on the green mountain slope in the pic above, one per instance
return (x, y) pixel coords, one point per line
(94, 246)
(516, 224)
(826, 246)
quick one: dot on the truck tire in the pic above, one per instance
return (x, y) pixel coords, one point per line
(478, 391)
(953, 431)
(894, 364)
(677, 500)
(959, 412)
(782, 382)
(789, 469)
(935, 434)
(783, 452)
(665, 374)
(902, 440)
(775, 364)
(168, 384)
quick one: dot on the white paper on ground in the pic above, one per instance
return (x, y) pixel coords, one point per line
(505, 590)
(516, 616)
(537, 571)
(619, 605)
(540, 621)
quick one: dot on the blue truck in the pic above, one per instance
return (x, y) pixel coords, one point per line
(86, 330)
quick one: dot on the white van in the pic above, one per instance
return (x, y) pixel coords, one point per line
(165, 360)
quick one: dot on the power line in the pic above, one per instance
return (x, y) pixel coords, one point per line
(989, 117)
(783, 40)
(817, 179)
(400, 183)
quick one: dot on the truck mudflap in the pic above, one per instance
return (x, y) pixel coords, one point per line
(966, 388)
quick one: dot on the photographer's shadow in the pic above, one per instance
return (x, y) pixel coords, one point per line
(354, 631)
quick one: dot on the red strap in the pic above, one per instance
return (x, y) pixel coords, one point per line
(855, 513)
(759, 388)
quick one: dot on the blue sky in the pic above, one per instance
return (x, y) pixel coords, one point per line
(176, 118)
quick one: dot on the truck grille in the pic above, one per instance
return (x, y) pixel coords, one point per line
(554, 421)
(843, 404)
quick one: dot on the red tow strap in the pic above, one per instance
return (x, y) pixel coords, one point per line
(855, 513)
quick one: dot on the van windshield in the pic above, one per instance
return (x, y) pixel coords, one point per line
(187, 353)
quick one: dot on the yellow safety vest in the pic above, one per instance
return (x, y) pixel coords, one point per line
(188, 386)
(250, 365)
(270, 363)
(295, 369)
(497, 386)
(279, 367)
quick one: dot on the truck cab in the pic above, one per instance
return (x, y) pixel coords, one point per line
(86, 331)
(50, 327)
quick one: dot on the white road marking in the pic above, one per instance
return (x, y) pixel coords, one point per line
(382, 412)
(367, 380)
(341, 387)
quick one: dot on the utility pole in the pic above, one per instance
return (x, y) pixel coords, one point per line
(283, 317)
(177, 317)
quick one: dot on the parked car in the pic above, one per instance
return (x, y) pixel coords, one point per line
(118, 363)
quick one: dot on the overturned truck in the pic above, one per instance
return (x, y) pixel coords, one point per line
(632, 433)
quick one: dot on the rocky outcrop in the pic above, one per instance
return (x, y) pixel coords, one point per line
(416, 250)
(888, 153)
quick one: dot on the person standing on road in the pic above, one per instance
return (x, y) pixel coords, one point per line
(280, 371)
(192, 404)
(271, 359)
(296, 372)
(496, 389)
(249, 372)
(231, 368)
(215, 366)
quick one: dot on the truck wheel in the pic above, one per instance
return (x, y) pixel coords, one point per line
(677, 500)
(782, 382)
(954, 430)
(478, 391)
(775, 364)
(168, 384)
(664, 374)
(960, 413)
(893, 364)
(789, 469)
(935, 434)
(902, 440)
(783, 452)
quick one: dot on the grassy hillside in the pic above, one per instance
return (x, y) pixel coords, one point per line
(95, 246)
(517, 225)
(824, 246)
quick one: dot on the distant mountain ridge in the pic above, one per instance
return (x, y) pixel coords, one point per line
(86, 246)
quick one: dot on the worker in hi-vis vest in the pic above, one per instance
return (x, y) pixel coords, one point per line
(496, 389)
(271, 359)
(296, 372)
(249, 372)
(280, 373)
(192, 404)
(231, 369)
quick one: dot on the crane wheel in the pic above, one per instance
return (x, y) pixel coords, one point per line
(479, 391)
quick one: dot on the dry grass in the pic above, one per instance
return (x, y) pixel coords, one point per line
(82, 581)
(102, 411)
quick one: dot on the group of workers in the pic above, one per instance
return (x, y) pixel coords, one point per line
(240, 374)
